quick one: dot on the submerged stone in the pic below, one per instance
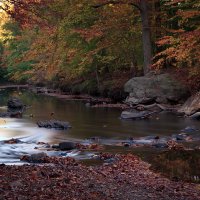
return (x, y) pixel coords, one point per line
(65, 146)
(160, 145)
(189, 129)
(54, 124)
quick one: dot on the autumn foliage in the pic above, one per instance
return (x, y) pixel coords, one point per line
(180, 46)
(70, 42)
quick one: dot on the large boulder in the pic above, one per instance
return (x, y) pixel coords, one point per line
(192, 105)
(155, 88)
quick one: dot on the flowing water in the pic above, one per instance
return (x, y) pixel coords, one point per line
(86, 122)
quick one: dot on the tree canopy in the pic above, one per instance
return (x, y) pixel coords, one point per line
(67, 42)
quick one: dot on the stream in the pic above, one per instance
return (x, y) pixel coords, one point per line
(101, 123)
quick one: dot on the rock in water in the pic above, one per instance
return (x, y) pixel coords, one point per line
(13, 141)
(16, 114)
(134, 114)
(160, 145)
(54, 124)
(35, 158)
(189, 129)
(65, 146)
(5, 114)
(15, 108)
(191, 106)
(14, 104)
(13, 114)
(195, 116)
(155, 88)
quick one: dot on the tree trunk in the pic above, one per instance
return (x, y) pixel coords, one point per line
(158, 21)
(146, 37)
(133, 67)
(97, 76)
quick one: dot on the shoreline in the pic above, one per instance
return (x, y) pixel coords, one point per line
(13, 86)
(94, 101)
(126, 178)
(91, 101)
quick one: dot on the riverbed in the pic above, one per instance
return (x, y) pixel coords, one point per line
(102, 124)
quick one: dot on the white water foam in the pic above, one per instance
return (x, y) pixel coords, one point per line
(29, 135)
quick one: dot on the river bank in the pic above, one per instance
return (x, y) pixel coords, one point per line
(138, 110)
(127, 178)
(93, 101)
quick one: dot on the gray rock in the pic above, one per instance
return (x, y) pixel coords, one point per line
(54, 124)
(5, 114)
(65, 146)
(133, 100)
(88, 104)
(42, 90)
(191, 106)
(195, 116)
(160, 145)
(13, 114)
(179, 137)
(15, 108)
(14, 104)
(189, 129)
(13, 141)
(134, 114)
(126, 144)
(37, 158)
(55, 146)
(159, 88)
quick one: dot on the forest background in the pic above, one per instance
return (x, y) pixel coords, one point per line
(95, 46)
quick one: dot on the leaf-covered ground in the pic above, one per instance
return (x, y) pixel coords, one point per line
(127, 178)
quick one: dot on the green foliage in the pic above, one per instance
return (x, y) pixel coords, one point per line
(15, 49)
(12, 27)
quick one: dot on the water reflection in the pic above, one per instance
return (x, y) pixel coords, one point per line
(178, 165)
(89, 122)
